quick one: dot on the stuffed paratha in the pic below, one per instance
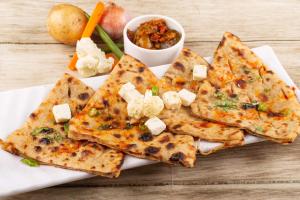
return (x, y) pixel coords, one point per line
(46, 141)
(114, 128)
(241, 91)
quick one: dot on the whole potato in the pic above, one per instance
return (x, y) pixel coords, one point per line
(66, 23)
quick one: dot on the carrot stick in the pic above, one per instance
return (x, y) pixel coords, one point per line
(89, 29)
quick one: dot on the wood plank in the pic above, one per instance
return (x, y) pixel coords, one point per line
(27, 65)
(191, 192)
(253, 164)
(150, 175)
(203, 20)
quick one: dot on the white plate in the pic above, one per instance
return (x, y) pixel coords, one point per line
(16, 105)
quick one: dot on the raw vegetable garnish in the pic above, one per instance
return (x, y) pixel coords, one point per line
(89, 29)
(50, 133)
(45, 130)
(108, 41)
(104, 127)
(66, 128)
(93, 112)
(224, 102)
(128, 126)
(262, 107)
(143, 127)
(155, 90)
(259, 129)
(30, 162)
(251, 105)
(226, 105)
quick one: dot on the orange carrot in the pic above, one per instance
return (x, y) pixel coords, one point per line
(89, 29)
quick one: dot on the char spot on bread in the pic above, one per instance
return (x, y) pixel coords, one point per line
(141, 69)
(69, 92)
(73, 154)
(38, 149)
(139, 80)
(241, 83)
(177, 157)
(105, 102)
(146, 137)
(239, 52)
(117, 135)
(179, 66)
(44, 141)
(165, 139)
(83, 96)
(121, 72)
(170, 146)
(177, 126)
(187, 52)
(151, 150)
(130, 146)
(33, 116)
(203, 92)
(70, 79)
(116, 111)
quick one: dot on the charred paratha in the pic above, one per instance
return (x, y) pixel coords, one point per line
(44, 140)
(114, 128)
(182, 121)
(241, 91)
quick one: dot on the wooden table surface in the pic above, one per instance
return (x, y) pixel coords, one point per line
(29, 56)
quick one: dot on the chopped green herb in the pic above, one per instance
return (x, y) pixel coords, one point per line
(66, 128)
(93, 112)
(253, 104)
(155, 90)
(259, 129)
(58, 137)
(262, 107)
(30, 162)
(104, 127)
(286, 112)
(128, 126)
(246, 69)
(266, 90)
(37, 131)
(143, 127)
(226, 105)
(220, 95)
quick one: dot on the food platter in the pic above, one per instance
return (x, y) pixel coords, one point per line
(16, 105)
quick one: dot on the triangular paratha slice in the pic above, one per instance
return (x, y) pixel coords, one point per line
(182, 121)
(44, 140)
(243, 92)
(114, 128)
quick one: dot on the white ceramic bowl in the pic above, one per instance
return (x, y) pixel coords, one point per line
(152, 57)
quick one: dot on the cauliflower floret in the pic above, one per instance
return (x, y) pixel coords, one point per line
(153, 105)
(105, 64)
(171, 100)
(148, 93)
(85, 47)
(87, 66)
(135, 108)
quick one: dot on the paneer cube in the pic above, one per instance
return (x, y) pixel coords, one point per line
(199, 72)
(171, 100)
(62, 113)
(155, 125)
(125, 88)
(187, 97)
